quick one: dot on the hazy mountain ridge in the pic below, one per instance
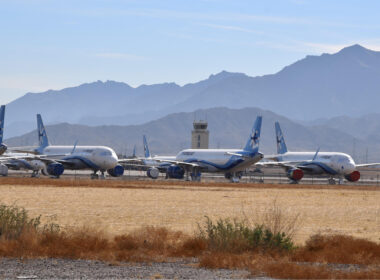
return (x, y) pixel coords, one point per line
(325, 86)
(229, 128)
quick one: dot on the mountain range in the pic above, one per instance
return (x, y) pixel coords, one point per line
(316, 87)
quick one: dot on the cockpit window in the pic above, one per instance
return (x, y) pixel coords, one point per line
(88, 151)
(187, 153)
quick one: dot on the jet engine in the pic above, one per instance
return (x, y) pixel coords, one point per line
(117, 171)
(3, 148)
(3, 170)
(153, 173)
(353, 176)
(54, 169)
(295, 174)
(175, 172)
(37, 165)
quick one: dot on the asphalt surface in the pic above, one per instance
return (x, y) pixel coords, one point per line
(87, 269)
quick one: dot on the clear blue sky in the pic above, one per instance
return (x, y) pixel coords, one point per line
(47, 44)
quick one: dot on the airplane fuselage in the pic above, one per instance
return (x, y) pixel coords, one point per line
(331, 163)
(84, 157)
(220, 160)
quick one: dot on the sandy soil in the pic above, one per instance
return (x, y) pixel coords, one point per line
(118, 207)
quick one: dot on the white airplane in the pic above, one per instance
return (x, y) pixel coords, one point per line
(332, 164)
(231, 162)
(151, 164)
(59, 158)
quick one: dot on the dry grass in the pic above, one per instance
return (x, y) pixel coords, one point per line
(179, 207)
(160, 244)
(338, 249)
(323, 256)
(163, 184)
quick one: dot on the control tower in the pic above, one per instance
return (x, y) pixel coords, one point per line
(199, 135)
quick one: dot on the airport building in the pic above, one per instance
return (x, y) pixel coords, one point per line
(199, 135)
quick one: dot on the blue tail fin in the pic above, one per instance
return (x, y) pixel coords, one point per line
(2, 114)
(42, 136)
(281, 146)
(254, 137)
(146, 148)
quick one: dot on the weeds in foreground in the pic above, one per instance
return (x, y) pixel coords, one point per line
(15, 220)
(236, 236)
(220, 244)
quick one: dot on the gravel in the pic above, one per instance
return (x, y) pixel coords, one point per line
(86, 269)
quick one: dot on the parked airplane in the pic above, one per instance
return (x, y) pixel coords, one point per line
(231, 162)
(151, 164)
(3, 147)
(333, 164)
(95, 158)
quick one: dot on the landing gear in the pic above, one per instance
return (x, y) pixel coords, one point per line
(332, 181)
(195, 175)
(233, 177)
(102, 175)
(35, 174)
(95, 175)
(293, 182)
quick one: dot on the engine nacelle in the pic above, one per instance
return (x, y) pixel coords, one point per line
(3, 170)
(37, 165)
(55, 169)
(153, 173)
(295, 174)
(175, 172)
(3, 148)
(353, 176)
(117, 171)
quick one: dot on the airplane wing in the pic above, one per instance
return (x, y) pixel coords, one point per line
(128, 160)
(180, 163)
(49, 158)
(235, 154)
(286, 165)
(16, 150)
(367, 165)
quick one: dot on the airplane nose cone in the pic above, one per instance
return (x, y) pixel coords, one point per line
(349, 168)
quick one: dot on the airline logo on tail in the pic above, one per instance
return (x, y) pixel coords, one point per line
(254, 138)
(281, 146)
(146, 149)
(42, 136)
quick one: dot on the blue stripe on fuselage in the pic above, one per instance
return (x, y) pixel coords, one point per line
(324, 167)
(231, 163)
(86, 161)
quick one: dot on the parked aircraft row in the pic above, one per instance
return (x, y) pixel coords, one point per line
(188, 164)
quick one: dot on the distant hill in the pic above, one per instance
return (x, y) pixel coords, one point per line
(325, 86)
(229, 128)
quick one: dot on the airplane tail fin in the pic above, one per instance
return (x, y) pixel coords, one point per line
(254, 137)
(42, 136)
(146, 148)
(281, 146)
(2, 115)
(134, 151)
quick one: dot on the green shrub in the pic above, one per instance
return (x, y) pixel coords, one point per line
(14, 220)
(236, 236)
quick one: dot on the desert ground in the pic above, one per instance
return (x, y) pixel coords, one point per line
(122, 206)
